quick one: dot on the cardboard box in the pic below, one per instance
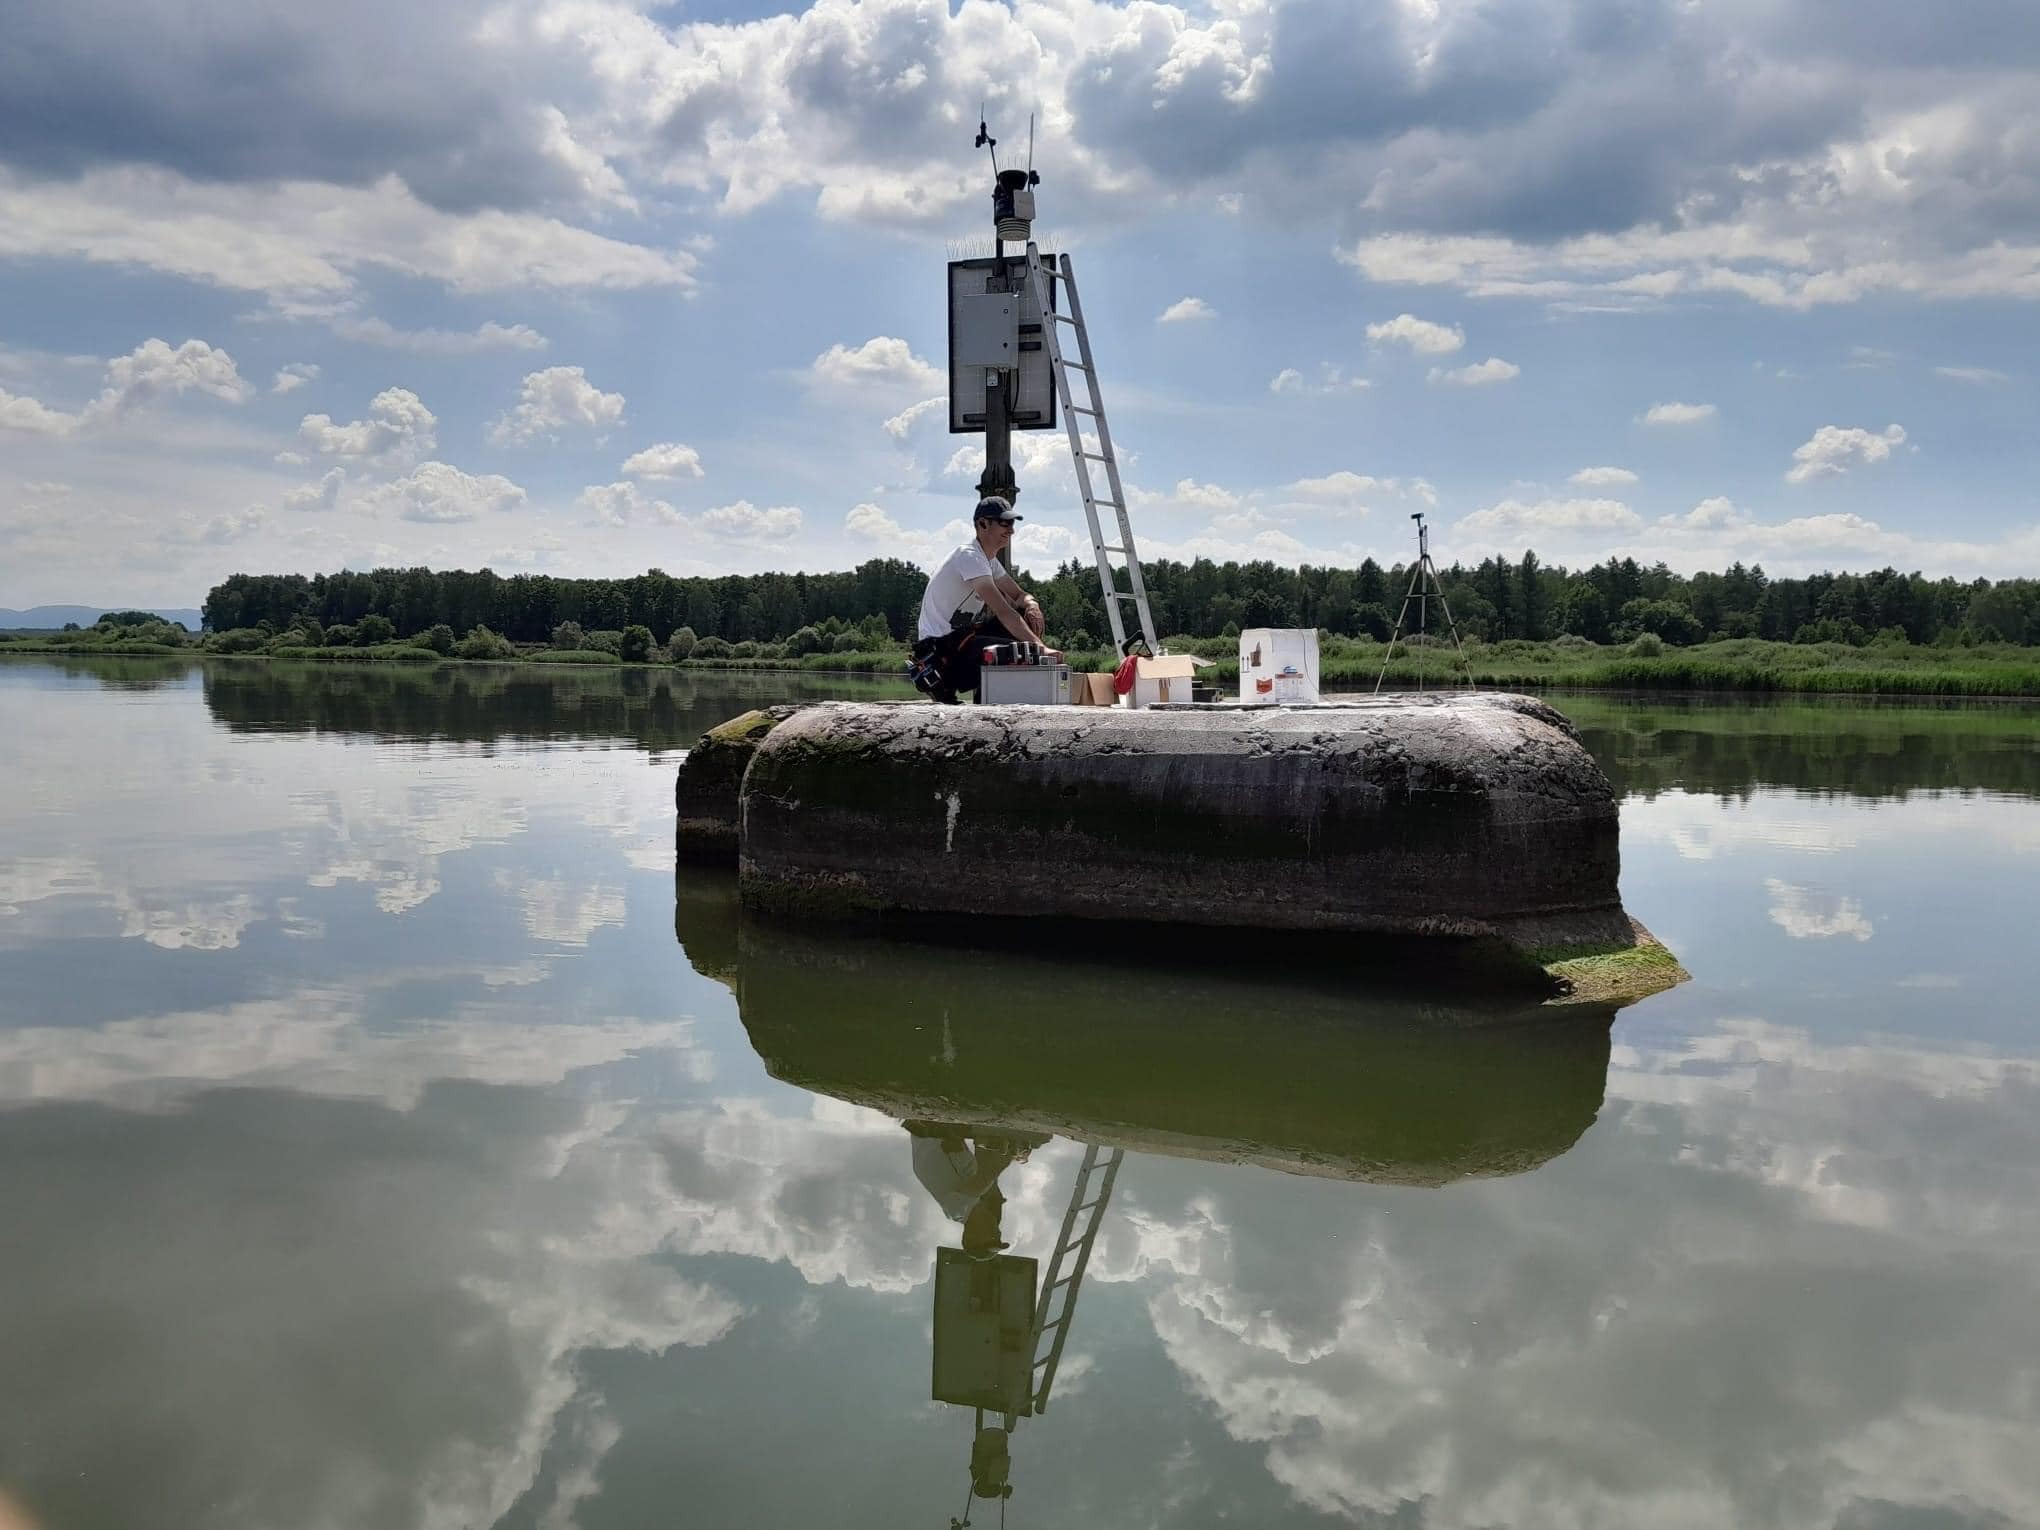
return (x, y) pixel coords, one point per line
(1087, 690)
(1167, 679)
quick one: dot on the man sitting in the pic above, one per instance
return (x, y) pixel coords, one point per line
(971, 578)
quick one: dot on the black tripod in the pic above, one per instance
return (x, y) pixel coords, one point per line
(1423, 582)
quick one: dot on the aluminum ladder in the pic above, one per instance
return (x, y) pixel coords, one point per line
(1040, 275)
(1088, 1198)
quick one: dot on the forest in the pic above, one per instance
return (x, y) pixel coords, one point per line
(1611, 602)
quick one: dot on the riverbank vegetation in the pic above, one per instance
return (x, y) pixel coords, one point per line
(1525, 624)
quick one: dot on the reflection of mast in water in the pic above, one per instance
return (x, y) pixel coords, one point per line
(998, 1343)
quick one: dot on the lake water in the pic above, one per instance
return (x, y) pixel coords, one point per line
(373, 1154)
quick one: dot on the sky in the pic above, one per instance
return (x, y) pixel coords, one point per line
(585, 287)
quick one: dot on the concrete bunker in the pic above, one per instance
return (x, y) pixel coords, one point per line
(1477, 820)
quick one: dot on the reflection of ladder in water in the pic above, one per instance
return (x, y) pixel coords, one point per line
(1039, 275)
(1088, 1197)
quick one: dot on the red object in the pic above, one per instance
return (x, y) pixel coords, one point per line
(1122, 677)
(1264, 685)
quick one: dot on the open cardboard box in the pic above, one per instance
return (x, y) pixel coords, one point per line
(1167, 678)
(1091, 691)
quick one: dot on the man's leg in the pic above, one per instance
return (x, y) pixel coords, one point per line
(967, 661)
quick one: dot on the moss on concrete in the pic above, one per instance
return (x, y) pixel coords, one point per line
(1613, 972)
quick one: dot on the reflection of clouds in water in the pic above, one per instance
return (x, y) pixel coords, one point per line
(1701, 827)
(188, 926)
(316, 1041)
(833, 1194)
(32, 879)
(561, 912)
(1807, 914)
(393, 1340)
(1826, 1300)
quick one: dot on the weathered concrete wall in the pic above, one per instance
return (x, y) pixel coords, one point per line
(1467, 815)
(705, 791)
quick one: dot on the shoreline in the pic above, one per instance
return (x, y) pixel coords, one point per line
(1670, 674)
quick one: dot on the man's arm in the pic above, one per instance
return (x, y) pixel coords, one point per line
(987, 589)
(1028, 607)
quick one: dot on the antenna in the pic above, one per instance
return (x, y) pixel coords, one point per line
(985, 140)
(1032, 178)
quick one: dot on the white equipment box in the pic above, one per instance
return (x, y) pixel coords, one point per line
(1279, 664)
(1039, 685)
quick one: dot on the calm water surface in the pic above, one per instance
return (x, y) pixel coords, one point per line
(373, 1154)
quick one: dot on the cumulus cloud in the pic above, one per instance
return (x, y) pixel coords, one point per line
(1479, 374)
(898, 426)
(1602, 478)
(553, 400)
(669, 459)
(745, 522)
(398, 429)
(882, 362)
(624, 504)
(1545, 517)
(227, 526)
(438, 493)
(1330, 379)
(151, 371)
(1184, 310)
(33, 417)
(294, 376)
(1420, 335)
(488, 336)
(1678, 414)
(322, 494)
(1342, 485)
(1833, 447)
(868, 523)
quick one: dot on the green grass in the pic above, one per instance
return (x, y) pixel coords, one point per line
(572, 656)
(1745, 665)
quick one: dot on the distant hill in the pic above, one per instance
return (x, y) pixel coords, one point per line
(52, 617)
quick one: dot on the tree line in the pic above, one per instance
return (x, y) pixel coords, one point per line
(1498, 599)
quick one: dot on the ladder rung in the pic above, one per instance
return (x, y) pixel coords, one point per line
(1080, 409)
(1097, 456)
(1115, 504)
(1067, 318)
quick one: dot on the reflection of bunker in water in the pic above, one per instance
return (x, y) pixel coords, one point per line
(1290, 1074)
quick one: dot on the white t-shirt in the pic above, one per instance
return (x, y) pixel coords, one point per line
(949, 588)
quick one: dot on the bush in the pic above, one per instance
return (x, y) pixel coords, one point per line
(481, 643)
(576, 656)
(339, 635)
(439, 639)
(1646, 645)
(681, 644)
(636, 644)
(712, 648)
(801, 642)
(603, 642)
(770, 651)
(567, 636)
(373, 629)
(238, 640)
(844, 642)
(744, 650)
(1571, 642)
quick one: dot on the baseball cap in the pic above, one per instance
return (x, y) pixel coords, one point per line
(993, 508)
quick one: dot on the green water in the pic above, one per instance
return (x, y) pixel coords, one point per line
(388, 1138)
